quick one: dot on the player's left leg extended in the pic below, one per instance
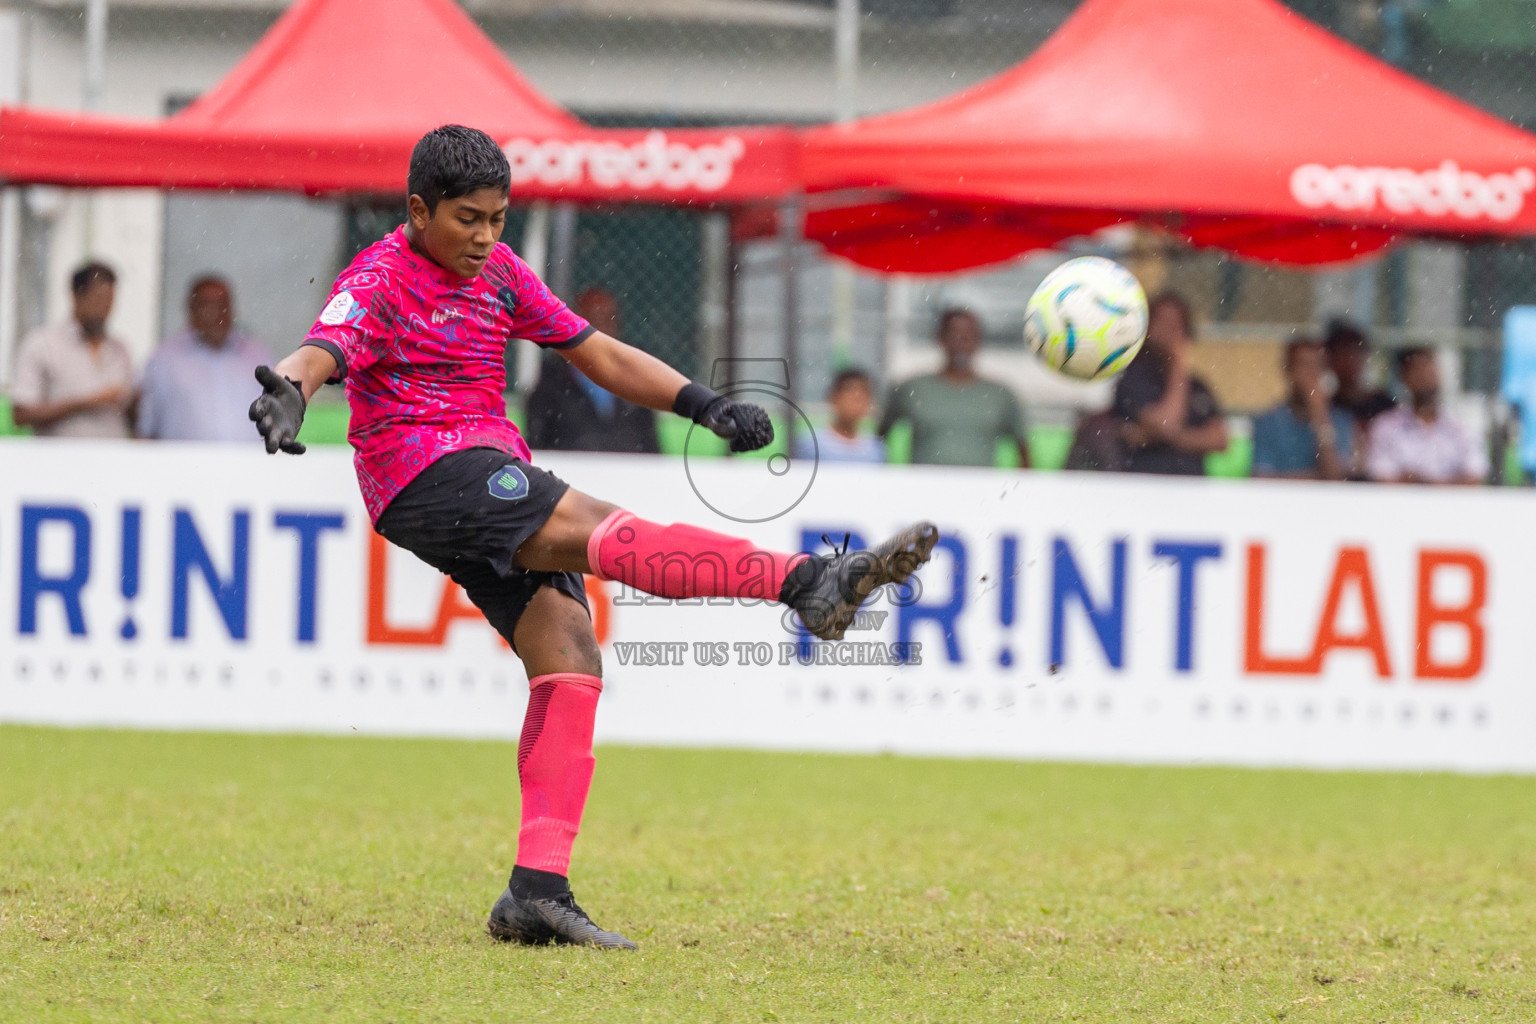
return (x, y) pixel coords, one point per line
(677, 560)
(554, 638)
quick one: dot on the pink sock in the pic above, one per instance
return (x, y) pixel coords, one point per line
(554, 762)
(684, 561)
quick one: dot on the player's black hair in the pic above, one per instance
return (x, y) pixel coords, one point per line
(1178, 302)
(1343, 333)
(1408, 354)
(90, 274)
(850, 375)
(953, 313)
(453, 161)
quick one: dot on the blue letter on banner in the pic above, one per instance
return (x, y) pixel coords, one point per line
(188, 553)
(308, 526)
(35, 584)
(1188, 557)
(1108, 623)
(909, 614)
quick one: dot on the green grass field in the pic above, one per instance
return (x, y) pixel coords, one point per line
(167, 877)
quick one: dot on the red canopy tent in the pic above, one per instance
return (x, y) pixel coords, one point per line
(331, 100)
(1235, 124)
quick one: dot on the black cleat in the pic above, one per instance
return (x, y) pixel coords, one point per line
(826, 590)
(538, 921)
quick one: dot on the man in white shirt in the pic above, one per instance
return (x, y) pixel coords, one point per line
(198, 383)
(1420, 442)
(73, 379)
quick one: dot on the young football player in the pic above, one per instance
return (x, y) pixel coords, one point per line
(417, 327)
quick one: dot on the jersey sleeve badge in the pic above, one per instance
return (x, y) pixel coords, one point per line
(339, 310)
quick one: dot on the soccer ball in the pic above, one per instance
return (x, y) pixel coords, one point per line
(1087, 319)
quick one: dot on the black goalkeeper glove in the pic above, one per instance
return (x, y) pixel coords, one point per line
(746, 426)
(279, 412)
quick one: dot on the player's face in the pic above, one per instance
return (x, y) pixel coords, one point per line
(460, 234)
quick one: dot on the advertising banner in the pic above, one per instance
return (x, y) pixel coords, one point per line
(1063, 616)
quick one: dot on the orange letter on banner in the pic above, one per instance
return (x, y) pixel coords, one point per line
(1254, 658)
(451, 605)
(454, 605)
(1354, 567)
(1468, 616)
(380, 631)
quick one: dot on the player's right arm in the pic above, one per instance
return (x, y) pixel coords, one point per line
(641, 378)
(628, 372)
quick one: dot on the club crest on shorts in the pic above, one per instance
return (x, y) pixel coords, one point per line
(508, 483)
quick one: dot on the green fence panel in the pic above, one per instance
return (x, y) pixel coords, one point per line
(8, 427)
(672, 433)
(1234, 463)
(325, 423)
(898, 444)
(1048, 446)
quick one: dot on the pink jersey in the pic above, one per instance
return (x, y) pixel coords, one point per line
(422, 351)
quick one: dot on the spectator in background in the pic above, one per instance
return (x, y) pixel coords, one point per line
(1421, 443)
(1305, 437)
(567, 412)
(1172, 421)
(957, 416)
(852, 397)
(197, 385)
(1348, 349)
(74, 379)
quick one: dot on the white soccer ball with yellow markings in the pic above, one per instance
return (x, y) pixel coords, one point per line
(1087, 319)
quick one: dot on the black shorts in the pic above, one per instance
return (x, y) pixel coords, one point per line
(467, 514)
